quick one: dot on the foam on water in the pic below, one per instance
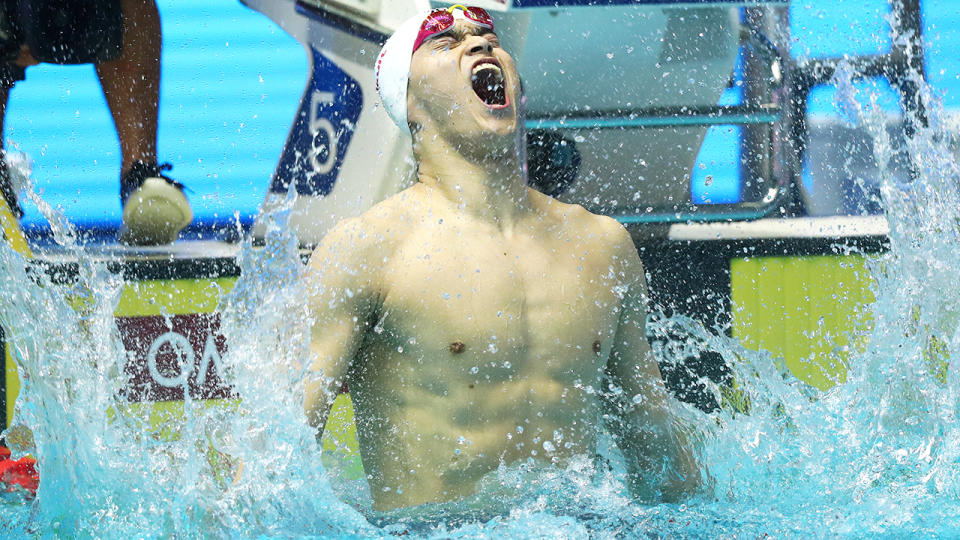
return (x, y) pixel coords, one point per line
(877, 454)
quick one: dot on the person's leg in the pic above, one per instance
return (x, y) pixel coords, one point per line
(131, 83)
(10, 73)
(6, 187)
(155, 209)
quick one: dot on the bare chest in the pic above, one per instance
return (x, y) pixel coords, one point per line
(503, 307)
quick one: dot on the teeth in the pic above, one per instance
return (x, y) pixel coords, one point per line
(480, 67)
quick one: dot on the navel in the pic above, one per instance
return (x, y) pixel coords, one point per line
(457, 347)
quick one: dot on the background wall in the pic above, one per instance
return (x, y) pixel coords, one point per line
(232, 80)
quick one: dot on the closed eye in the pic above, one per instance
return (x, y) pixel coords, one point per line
(442, 42)
(493, 39)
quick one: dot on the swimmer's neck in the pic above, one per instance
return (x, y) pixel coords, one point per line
(492, 188)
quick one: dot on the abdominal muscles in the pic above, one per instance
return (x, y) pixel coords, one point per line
(433, 422)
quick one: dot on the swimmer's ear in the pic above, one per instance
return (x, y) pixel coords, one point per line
(414, 114)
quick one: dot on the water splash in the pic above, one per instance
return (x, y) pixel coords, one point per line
(105, 472)
(878, 454)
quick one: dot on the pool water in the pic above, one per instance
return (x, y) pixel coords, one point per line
(875, 456)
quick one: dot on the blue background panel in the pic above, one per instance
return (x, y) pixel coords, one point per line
(822, 28)
(941, 31)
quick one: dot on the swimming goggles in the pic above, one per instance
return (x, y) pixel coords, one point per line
(441, 20)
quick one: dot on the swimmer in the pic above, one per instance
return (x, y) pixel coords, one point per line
(476, 321)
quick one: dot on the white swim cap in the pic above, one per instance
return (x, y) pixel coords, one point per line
(392, 70)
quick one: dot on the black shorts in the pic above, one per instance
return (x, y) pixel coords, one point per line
(61, 31)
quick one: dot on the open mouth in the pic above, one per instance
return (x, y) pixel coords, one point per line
(488, 83)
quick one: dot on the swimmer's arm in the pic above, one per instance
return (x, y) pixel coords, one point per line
(656, 451)
(340, 284)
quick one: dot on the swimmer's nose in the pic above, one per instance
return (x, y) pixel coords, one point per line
(479, 45)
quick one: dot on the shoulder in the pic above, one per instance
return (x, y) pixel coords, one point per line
(363, 241)
(604, 239)
(379, 226)
(577, 221)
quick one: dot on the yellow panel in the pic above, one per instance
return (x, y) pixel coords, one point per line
(340, 436)
(340, 433)
(810, 311)
(12, 232)
(185, 296)
(13, 383)
(172, 296)
(163, 419)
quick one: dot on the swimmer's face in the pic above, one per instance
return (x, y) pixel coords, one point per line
(463, 83)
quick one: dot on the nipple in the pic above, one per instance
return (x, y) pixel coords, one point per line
(457, 347)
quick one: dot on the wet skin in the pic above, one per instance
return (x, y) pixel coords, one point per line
(478, 322)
